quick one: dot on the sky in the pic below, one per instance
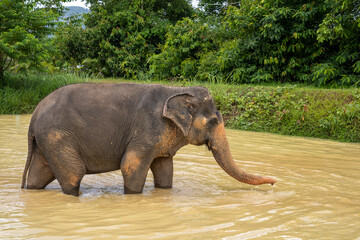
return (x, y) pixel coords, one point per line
(79, 3)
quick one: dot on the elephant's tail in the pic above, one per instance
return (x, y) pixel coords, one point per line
(31, 144)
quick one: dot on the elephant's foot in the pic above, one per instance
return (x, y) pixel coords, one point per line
(163, 186)
(74, 191)
(70, 184)
(129, 191)
(34, 187)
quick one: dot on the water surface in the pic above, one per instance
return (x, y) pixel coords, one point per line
(317, 195)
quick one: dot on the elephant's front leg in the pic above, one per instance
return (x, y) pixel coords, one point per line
(134, 168)
(162, 169)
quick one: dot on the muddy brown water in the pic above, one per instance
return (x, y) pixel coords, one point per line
(317, 195)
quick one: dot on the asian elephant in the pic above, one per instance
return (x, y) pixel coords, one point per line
(94, 128)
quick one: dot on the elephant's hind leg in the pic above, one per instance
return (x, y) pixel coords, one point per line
(162, 169)
(68, 168)
(40, 174)
(69, 174)
(71, 184)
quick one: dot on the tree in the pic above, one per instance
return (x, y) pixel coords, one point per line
(25, 26)
(119, 35)
(186, 41)
(314, 42)
(340, 31)
(293, 41)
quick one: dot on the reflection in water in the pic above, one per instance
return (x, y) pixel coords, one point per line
(317, 195)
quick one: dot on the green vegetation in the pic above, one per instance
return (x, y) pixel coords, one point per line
(24, 34)
(290, 110)
(252, 41)
(267, 41)
(21, 93)
(119, 36)
(257, 41)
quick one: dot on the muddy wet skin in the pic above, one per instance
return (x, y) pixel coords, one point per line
(316, 196)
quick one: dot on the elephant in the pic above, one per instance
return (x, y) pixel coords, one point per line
(93, 128)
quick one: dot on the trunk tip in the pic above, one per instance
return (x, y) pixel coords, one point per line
(271, 181)
(261, 180)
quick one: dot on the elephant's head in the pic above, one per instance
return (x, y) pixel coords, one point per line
(195, 113)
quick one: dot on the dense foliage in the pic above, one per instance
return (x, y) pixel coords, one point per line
(271, 41)
(24, 31)
(185, 44)
(119, 37)
(249, 41)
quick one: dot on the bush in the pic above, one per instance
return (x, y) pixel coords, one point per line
(180, 55)
(330, 114)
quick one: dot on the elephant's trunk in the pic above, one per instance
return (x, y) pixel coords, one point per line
(219, 147)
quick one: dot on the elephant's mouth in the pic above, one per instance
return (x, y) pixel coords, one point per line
(207, 143)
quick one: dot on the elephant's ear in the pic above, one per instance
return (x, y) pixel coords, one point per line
(179, 109)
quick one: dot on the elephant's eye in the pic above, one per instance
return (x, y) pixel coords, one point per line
(213, 121)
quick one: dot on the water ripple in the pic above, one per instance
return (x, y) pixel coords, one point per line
(316, 196)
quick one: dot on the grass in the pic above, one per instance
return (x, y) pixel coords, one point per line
(321, 113)
(21, 93)
(284, 109)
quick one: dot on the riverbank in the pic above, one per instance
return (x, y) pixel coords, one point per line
(284, 109)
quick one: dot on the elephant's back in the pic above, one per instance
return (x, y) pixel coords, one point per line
(90, 100)
(111, 92)
(74, 95)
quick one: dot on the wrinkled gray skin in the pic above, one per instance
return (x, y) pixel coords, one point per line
(95, 128)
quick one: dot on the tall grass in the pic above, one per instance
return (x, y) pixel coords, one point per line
(21, 93)
(285, 109)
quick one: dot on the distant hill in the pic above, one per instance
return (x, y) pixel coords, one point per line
(75, 10)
